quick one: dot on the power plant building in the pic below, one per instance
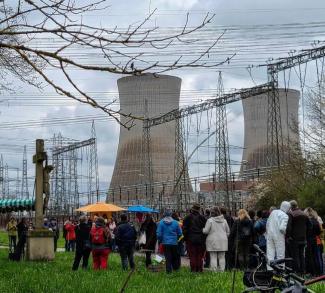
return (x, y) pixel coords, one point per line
(147, 96)
(255, 111)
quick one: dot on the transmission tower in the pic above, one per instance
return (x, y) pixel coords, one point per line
(275, 150)
(93, 181)
(59, 187)
(18, 193)
(180, 173)
(274, 127)
(6, 181)
(222, 157)
(2, 185)
(24, 181)
(146, 157)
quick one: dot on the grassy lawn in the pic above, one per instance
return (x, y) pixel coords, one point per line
(56, 276)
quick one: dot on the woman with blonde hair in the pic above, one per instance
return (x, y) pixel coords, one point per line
(241, 236)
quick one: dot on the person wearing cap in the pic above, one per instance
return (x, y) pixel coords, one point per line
(276, 226)
(193, 225)
(168, 233)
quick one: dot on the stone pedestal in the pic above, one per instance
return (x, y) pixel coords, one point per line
(40, 245)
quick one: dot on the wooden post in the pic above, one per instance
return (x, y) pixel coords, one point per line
(38, 159)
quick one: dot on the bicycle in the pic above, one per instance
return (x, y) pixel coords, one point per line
(280, 279)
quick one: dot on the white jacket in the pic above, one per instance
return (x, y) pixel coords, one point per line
(218, 231)
(277, 222)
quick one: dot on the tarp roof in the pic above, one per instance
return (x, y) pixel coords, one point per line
(9, 205)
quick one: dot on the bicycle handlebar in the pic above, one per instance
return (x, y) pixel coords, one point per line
(279, 261)
(297, 278)
(257, 248)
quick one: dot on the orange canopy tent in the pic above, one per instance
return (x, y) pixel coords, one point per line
(101, 208)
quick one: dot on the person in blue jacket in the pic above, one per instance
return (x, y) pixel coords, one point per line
(168, 233)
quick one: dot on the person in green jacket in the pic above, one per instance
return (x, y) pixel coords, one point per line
(12, 233)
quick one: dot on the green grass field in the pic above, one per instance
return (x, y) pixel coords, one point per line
(57, 277)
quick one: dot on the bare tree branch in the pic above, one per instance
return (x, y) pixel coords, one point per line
(123, 51)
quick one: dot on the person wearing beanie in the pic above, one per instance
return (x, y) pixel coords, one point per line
(195, 239)
(168, 233)
(276, 226)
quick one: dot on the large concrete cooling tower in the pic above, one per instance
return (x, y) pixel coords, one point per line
(255, 119)
(156, 95)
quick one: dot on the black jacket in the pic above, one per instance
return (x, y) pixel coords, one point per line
(297, 226)
(193, 225)
(150, 228)
(22, 230)
(125, 234)
(242, 230)
(82, 236)
(313, 230)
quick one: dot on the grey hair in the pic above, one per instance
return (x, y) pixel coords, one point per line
(83, 219)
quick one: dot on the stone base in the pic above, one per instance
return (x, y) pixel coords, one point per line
(40, 245)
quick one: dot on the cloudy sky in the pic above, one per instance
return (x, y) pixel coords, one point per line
(254, 30)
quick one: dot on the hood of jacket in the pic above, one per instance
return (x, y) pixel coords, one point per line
(218, 219)
(285, 206)
(168, 220)
(99, 224)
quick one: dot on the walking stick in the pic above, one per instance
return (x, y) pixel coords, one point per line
(236, 255)
(127, 280)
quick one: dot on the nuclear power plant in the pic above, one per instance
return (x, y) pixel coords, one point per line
(147, 96)
(255, 132)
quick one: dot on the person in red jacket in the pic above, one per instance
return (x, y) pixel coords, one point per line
(70, 235)
(100, 243)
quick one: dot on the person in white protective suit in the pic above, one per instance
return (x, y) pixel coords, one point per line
(275, 232)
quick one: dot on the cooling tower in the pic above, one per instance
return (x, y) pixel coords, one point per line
(255, 120)
(146, 95)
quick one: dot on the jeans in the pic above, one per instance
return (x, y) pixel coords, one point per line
(196, 254)
(55, 243)
(126, 253)
(297, 252)
(71, 245)
(81, 254)
(12, 243)
(172, 258)
(148, 258)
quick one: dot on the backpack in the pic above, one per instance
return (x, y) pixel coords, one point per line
(98, 235)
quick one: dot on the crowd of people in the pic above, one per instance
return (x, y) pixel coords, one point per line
(212, 238)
